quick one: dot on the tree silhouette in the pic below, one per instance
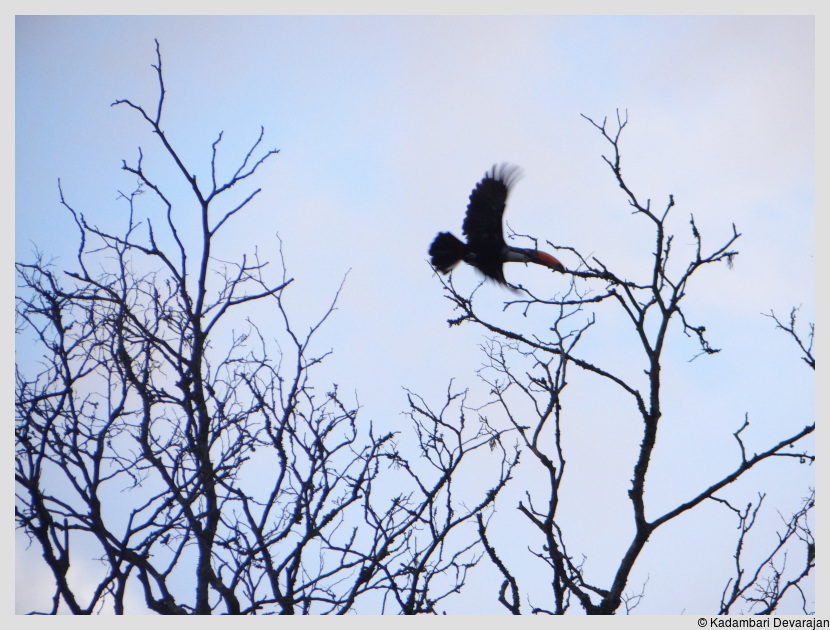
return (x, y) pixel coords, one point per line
(525, 370)
(185, 446)
(175, 430)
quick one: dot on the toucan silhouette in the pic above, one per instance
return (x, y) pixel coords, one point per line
(485, 248)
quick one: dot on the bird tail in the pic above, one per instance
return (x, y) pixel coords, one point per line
(446, 251)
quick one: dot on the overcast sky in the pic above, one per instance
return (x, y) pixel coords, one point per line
(384, 124)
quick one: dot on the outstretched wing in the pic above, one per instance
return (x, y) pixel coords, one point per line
(483, 223)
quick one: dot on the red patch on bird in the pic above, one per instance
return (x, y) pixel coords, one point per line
(550, 261)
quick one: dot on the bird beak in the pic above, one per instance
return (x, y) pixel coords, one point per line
(549, 261)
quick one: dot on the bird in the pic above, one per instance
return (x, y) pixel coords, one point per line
(485, 248)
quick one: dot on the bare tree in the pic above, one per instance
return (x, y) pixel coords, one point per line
(528, 373)
(175, 430)
(180, 441)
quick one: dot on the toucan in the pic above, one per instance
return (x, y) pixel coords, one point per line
(485, 248)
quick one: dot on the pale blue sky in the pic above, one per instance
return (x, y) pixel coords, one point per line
(384, 124)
